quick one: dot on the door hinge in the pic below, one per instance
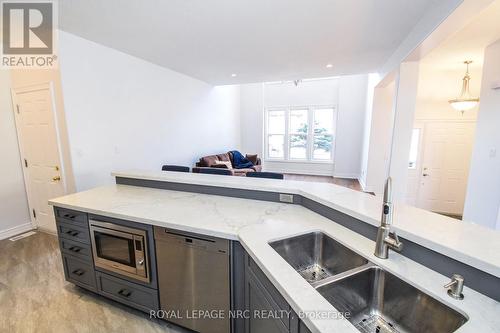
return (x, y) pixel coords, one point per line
(26, 163)
(34, 214)
(17, 107)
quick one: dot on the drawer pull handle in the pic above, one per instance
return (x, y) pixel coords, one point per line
(72, 233)
(69, 216)
(125, 293)
(79, 272)
(75, 249)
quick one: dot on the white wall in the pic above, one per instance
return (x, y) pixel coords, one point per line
(123, 112)
(498, 219)
(482, 202)
(406, 99)
(252, 118)
(373, 79)
(14, 210)
(348, 93)
(380, 138)
(350, 126)
(307, 92)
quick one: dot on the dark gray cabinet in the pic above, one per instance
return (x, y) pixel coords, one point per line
(76, 251)
(74, 241)
(268, 310)
(131, 294)
(72, 231)
(261, 307)
(79, 272)
(251, 291)
(303, 328)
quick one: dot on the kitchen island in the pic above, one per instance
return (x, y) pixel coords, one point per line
(255, 223)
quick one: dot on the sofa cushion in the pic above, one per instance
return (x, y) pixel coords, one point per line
(207, 161)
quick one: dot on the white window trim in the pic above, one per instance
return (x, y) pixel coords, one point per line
(310, 134)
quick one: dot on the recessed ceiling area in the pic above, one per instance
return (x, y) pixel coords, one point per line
(260, 40)
(443, 68)
(469, 43)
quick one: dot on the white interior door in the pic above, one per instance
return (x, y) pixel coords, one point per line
(40, 152)
(447, 150)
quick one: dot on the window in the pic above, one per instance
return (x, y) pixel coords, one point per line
(323, 134)
(415, 139)
(300, 134)
(276, 134)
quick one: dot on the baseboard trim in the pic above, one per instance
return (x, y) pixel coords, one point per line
(7, 233)
(47, 231)
(365, 188)
(346, 175)
(298, 172)
(362, 184)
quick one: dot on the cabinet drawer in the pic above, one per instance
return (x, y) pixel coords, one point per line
(71, 216)
(77, 249)
(73, 232)
(131, 294)
(79, 272)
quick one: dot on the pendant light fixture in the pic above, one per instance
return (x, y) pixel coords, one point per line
(465, 101)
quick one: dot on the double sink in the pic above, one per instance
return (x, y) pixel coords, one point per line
(372, 299)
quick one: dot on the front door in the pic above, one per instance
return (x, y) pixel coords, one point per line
(40, 153)
(447, 150)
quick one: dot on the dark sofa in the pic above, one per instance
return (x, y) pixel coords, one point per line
(216, 161)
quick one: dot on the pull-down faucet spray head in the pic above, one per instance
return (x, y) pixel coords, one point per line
(387, 206)
(386, 240)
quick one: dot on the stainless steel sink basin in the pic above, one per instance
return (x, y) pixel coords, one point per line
(381, 302)
(316, 256)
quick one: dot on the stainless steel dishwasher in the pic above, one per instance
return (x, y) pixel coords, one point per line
(193, 280)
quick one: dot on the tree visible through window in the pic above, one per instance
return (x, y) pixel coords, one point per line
(300, 134)
(323, 134)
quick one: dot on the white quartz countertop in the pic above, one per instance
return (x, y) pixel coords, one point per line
(466, 242)
(255, 224)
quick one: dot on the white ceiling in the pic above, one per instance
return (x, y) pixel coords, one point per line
(442, 70)
(469, 43)
(259, 40)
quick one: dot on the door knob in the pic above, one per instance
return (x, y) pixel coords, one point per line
(425, 174)
(56, 178)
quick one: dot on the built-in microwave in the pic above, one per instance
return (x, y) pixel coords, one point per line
(120, 249)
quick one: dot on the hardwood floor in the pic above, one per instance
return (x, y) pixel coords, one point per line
(350, 183)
